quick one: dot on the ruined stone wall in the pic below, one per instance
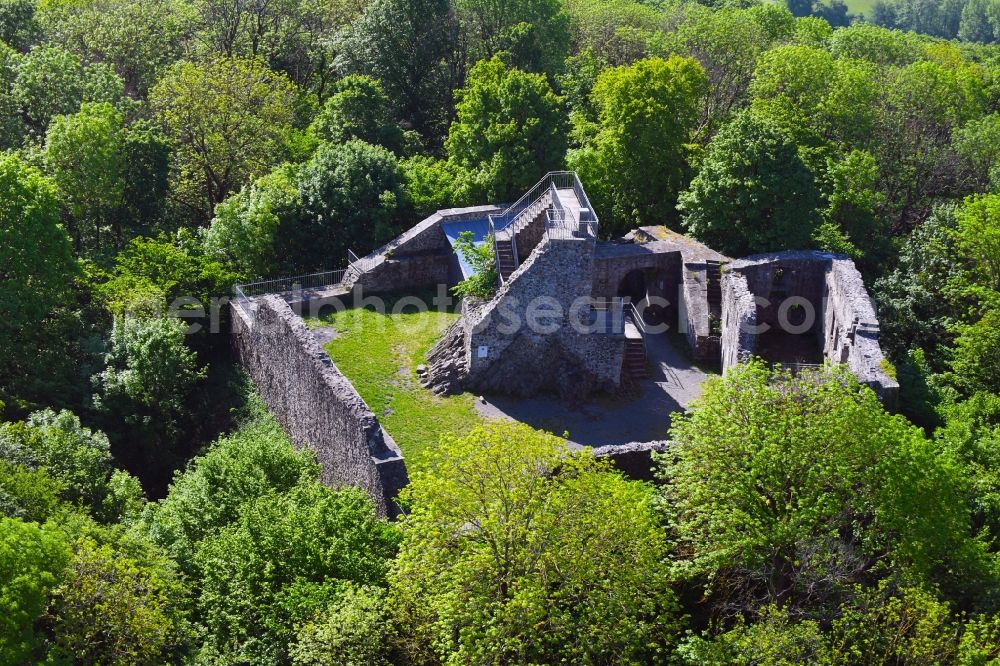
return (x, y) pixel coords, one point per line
(739, 317)
(552, 280)
(851, 329)
(633, 460)
(420, 257)
(315, 404)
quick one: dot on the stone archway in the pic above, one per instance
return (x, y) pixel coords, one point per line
(633, 285)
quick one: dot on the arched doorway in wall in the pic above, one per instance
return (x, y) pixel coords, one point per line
(633, 285)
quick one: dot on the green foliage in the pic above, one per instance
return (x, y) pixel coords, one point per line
(353, 631)
(978, 143)
(29, 494)
(648, 108)
(255, 461)
(509, 131)
(430, 184)
(85, 158)
(515, 550)
(972, 434)
(52, 81)
(18, 26)
(32, 558)
(229, 120)
(753, 193)
(483, 260)
(405, 44)
(149, 379)
(975, 363)
(153, 273)
(977, 238)
(37, 271)
(249, 229)
(78, 458)
(358, 108)
(313, 540)
(138, 39)
(351, 196)
(790, 489)
(111, 609)
(534, 32)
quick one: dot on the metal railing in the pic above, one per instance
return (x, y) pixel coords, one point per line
(242, 293)
(635, 314)
(365, 263)
(607, 315)
(560, 227)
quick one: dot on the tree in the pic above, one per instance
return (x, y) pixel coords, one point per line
(78, 458)
(155, 275)
(353, 630)
(358, 108)
(32, 558)
(510, 130)
(149, 379)
(52, 81)
(753, 193)
(975, 363)
(18, 27)
(851, 216)
(648, 108)
(29, 494)
(229, 121)
(971, 433)
(84, 156)
(114, 610)
(516, 550)
(917, 304)
(789, 490)
(977, 237)
(407, 46)
(249, 229)
(482, 258)
(534, 32)
(138, 39)
(311, 541)
(351, 194)
(37, 268)
(255, 461)
(727, 44)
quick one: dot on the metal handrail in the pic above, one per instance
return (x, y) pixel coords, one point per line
(243, 292)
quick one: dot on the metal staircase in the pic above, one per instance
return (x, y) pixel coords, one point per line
(533, 209)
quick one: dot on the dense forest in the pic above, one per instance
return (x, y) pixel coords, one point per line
(157, 152)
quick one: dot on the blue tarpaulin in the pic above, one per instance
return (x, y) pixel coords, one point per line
(479, 228)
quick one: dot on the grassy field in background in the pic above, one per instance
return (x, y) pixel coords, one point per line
(380, 354)
(860, 6)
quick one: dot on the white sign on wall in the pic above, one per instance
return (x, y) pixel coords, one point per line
(484, 351)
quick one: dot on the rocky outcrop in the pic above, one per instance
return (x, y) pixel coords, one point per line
(446, 367)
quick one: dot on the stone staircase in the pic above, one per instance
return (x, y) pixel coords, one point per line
(635, 358)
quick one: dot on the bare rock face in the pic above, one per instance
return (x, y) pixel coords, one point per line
(446, 366)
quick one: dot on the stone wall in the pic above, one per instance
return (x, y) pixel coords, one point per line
(851, 329)
(739, 319)
(505, 353)
(315, 404)
(420, 257)
(846, 324)
(634, 460)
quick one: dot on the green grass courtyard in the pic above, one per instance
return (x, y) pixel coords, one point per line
(379, 354)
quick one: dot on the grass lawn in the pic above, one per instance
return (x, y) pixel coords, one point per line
(860, 6)
(380, 354)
